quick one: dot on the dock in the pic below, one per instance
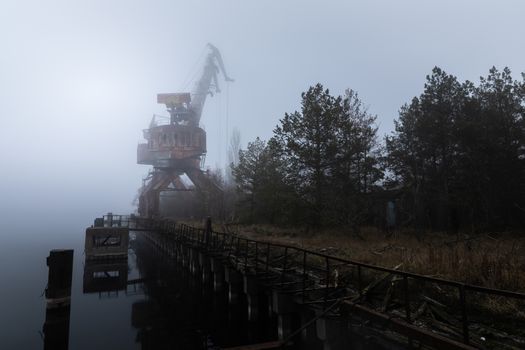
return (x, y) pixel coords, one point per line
(384, 305)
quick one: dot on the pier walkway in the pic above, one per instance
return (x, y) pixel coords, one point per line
(394, 307)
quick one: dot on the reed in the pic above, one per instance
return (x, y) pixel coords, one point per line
(490, 260)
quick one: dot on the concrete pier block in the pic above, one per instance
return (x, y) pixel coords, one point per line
(269, 298)
(218, 280)
(327, 329)
(309, 334)
(250, 284)
(231, 275)
(216, 264)
(204, 262)
(235, 283)
(206, 275)
(253, 307)
(282, 303)
(194, 262)
(321, 329)
(233, 293)
(284, 324)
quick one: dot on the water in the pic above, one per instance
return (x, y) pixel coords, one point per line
(167, 307)
(147, 301)
(23, 276)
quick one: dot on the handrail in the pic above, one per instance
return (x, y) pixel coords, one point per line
(238, 248)
(416, 276)
(452, 283)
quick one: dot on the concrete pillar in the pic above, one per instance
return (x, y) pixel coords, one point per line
(218, 280)
(328, 331)
(309, 334)
(194, 262)
(216, 264)
(320, 327)
(284, 324)
(250, 284)
(283, 305)
(183, 258)
(204, 262)
(217, 270)
(269, 298)
(253, 307)
(235, 283)
(252, 291)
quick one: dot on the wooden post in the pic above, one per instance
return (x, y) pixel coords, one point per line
(256, 256)
(463, 302)
(208, 231)
(304, 275)
(283, 273)
(359, 285)
(58, 295)
(60, 263)
(327, 282)
(407, 298)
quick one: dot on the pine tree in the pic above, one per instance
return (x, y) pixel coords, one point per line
(249, 175)
(308, 140)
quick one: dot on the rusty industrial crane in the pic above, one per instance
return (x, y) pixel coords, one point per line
(176, 147)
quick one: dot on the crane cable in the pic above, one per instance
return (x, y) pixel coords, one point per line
(192, 73)
(227, 117)
(219, 132)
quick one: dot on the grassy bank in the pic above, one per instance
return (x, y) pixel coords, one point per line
(490, 260)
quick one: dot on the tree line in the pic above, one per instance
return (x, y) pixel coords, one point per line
(455, 161)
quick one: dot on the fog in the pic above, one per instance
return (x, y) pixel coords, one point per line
(78, 79)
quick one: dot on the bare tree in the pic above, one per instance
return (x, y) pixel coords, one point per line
(233, 155)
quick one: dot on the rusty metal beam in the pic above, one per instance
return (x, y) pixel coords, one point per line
(397, 325)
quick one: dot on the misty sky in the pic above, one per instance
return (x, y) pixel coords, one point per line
(78, 79)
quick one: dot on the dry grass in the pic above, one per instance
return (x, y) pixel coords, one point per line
(490, 260)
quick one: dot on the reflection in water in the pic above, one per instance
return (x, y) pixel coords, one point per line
(180, 309)
(105, 276)
(186, 300)
(183, 310)
(56, 328)
(58, 300)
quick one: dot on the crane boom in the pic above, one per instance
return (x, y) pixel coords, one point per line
(208, 83)
(187, 108)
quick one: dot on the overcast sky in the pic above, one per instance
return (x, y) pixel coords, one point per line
(78, 79)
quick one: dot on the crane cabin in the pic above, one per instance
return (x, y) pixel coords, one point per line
(177, 143)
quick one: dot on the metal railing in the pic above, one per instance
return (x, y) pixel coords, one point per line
(322, 279)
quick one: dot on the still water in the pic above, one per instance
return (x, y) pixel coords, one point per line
(145, 302)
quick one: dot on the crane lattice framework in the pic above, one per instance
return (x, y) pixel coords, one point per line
(177, 147)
